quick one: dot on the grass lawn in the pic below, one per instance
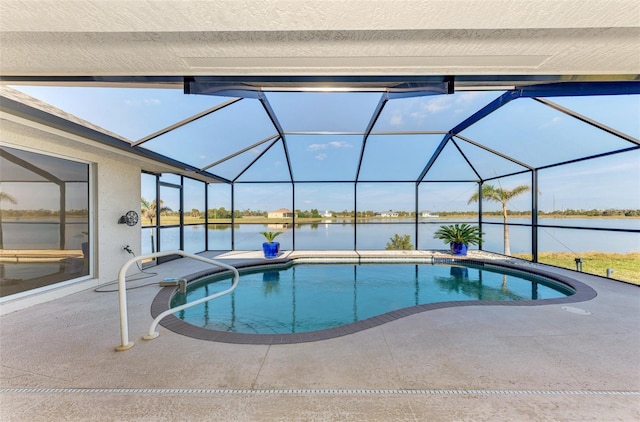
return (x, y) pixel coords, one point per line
(626, 266)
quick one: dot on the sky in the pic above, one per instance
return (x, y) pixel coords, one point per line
(324, 142)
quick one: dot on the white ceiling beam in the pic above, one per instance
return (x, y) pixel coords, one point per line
(311, 15)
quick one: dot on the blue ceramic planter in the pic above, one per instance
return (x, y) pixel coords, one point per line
(458, 249)
(271, 250)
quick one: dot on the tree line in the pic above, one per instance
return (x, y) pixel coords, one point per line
(609, 212)
(490, 193)
(79, 213)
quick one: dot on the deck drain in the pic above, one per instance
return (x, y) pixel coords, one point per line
(314, 391)
(576, 310)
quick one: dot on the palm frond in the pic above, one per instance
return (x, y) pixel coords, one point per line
(459, 233)
(270, 236)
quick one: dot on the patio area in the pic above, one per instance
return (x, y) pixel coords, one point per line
(548, 362)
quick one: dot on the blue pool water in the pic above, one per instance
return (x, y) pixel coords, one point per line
(310, 297)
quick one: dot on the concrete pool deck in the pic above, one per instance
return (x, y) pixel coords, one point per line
(549, 362)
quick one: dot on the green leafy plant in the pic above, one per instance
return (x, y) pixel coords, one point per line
(270, 236)
(460, 234)
(398, 242)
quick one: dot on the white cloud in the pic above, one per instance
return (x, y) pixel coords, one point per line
(464, 98)
(474, 99)
(437, 104)
(332, 144)
(396, 119)
(421, 110)
(144, 101)
(556, 120)
(316, 147)
(321, 157)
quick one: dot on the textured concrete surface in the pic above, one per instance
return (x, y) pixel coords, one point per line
(484, 363)
(310, 37)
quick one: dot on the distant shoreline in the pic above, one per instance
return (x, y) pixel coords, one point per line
(170, 220)
(265, 220)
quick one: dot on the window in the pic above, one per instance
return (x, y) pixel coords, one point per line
(44, 220)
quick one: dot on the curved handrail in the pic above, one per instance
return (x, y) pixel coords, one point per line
(122, 293)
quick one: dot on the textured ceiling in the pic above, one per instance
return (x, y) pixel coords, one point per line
(278, 37)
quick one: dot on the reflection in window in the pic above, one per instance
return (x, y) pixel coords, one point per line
(44, 220)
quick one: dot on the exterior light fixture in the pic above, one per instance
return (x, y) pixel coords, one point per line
(130, 218)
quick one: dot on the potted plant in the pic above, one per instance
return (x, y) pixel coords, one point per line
(459, 237)
(271, 248)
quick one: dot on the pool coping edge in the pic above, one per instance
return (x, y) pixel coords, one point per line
(162, 300)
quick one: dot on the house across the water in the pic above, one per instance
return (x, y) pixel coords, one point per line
(389, 214)
(281, 213)
(429, 215)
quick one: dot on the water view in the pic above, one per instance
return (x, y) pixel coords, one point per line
(375, 234)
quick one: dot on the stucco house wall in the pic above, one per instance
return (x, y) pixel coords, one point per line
(116, 189)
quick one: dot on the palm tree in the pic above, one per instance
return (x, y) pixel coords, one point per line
(502, 196)
(8, 198)
(149, 210)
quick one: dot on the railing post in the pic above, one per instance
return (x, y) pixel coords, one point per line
(125, 344)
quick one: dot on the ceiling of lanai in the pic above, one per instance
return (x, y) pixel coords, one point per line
(289, 44)
(311, 37)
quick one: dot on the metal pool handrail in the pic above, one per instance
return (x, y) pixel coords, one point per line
(122, 293)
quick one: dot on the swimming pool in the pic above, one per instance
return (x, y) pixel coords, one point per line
(303, 298)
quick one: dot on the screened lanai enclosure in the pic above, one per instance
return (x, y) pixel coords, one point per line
(349, 168)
